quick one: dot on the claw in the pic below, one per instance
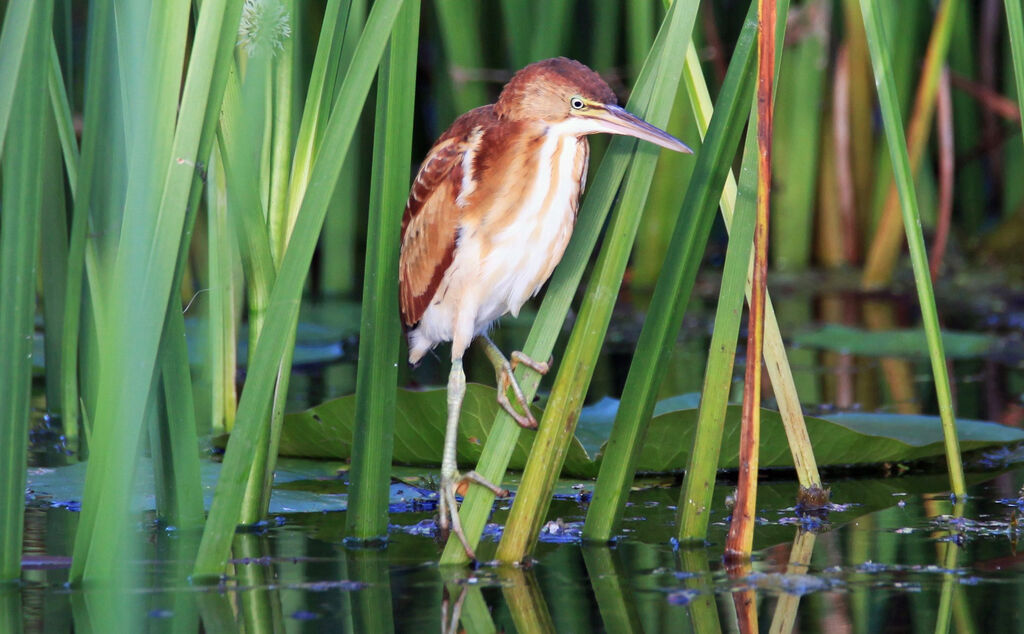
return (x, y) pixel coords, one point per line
(506, 379)
(448, 520)
(541, 368)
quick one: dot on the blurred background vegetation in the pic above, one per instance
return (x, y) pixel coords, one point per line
(92, 116)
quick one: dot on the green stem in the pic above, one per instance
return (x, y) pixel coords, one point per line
(576, 369)
(380, 332)
(895, 137)
(282, 310)
(21, 204)
(673, 288)
(1015, 25)
(561, 292)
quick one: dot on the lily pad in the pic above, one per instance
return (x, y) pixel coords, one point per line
(325, 431)
(896, 343)
(300, 486)
(839, 439)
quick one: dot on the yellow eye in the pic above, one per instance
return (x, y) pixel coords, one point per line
(576, 103)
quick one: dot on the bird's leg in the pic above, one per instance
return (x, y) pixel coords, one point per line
(450, 477)
(504, 372)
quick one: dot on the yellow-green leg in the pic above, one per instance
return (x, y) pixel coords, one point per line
(503, 371)
(450, 477)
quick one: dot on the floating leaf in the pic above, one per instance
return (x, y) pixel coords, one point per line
(300, 486)
(325, 431)
(842, 439)
(909, 342)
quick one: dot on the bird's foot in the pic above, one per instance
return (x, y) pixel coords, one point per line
(538, 367)
(452, 484)
(507, 379)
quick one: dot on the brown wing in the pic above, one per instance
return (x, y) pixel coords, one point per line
(431, 220)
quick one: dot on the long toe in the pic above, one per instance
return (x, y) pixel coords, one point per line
(519, 357)
(506, 380)
(449, 512)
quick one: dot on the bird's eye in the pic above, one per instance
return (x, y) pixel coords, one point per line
(576, 103)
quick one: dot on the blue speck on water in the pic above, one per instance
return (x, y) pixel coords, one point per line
(682, 597)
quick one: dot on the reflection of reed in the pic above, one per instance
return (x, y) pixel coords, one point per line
(948, 553)
(525, 601)
(838, 377)
(215, 612)
(744, 601)
(10, 611)
(468, 608)
(703, 610)
(179, 551)
(259, 603)
(614, 599)
(34, 543)
(371, 607)
(784, 618)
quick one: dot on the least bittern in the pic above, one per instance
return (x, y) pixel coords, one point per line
(488, 218)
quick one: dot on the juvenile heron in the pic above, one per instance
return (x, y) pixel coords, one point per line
(488, 218)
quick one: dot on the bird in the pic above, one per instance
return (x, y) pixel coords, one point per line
(489, 215)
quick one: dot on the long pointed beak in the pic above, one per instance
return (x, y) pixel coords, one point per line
(615, 120)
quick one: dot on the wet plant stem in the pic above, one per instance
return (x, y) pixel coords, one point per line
(377, 374)
(282, 309)
(576, 369)
(672, 292)
(895, 138)
(741, 530)
(22, 198)
(561, 291)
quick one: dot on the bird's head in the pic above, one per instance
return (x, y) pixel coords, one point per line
(565, 93)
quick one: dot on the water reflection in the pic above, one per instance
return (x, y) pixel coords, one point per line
(900, 557)
(920, 563)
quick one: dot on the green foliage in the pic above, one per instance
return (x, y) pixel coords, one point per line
(896, 343)
(327, 430)
(381, 333)
(197, 161)
(912, 224)
(22, 213)
(282, 308)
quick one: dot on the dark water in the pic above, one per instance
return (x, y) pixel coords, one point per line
(894, 555)
(884, 570)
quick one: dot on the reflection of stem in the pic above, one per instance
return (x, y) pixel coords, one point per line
(703, 611)
(450, 615)
(260, 607)
(948, 551)
(799, 559)
(470, 609)
(746, 607)
(525, 601)
(372, 605)
(215, 612)
(10, 609)
(949, 564)
(618, 613)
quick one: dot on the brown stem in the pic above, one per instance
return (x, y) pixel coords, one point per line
(944, 123)
(741, 530)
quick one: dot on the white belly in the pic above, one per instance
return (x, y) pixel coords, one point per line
(494, 276)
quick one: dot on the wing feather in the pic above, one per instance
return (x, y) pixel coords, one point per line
(431, 221)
